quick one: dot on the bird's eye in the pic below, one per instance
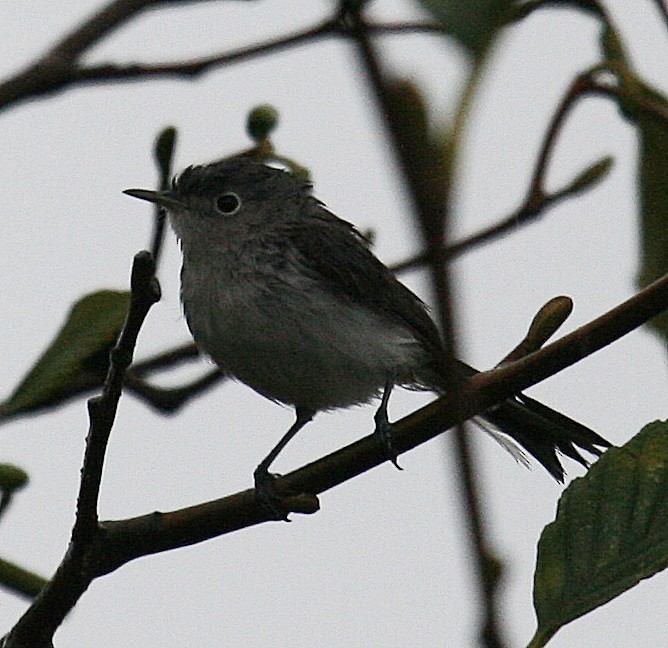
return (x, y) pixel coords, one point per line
(228, 203)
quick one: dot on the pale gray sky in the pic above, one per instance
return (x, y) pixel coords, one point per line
(386, 561)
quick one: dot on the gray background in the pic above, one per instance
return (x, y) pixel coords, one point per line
(386, 561)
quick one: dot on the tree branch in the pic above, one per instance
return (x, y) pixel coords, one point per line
(35, 629)
(125, 540)
(171, 399)
(19, 580)
(427, 179)
(59, 68)
(537, 200)
(118, 542)
(92, 30)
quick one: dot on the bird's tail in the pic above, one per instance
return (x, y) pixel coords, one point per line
(545, 433)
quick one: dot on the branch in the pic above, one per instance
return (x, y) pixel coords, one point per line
(125, 540)
(99, 25)
(19, 580)
(102, 410)
(197, 66)
(537, 200)
(170, 400)
(171, 358)
(77, 569)
(59, 68)
(118, 542)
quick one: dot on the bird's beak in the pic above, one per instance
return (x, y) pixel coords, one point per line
(162, 198)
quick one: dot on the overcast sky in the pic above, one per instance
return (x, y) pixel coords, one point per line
(385, 563)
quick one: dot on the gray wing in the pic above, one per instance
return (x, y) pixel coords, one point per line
(337, 254)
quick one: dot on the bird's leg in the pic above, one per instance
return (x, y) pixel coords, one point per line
(265, 492)
(384, 428)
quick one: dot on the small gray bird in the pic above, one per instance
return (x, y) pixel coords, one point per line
(288, 298)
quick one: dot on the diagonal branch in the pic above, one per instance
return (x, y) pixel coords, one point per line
(126, 540)
(121, 541)
(99, 25)
(537, 200)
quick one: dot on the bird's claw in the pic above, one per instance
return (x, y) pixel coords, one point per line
(384, 431)
(266, 494)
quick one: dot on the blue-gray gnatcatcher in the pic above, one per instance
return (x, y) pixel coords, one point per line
(288, 298)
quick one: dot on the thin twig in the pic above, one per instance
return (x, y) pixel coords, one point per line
(169, 400)
(20, 581)
(537, 200)
(77, 569)
(199, 65)
(663, 11)
(58, 70)
(171, 358)
(94, 28)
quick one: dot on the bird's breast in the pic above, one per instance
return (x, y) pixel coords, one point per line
(283, 334)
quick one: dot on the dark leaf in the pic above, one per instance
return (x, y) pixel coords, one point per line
(12, 478)
(610, 532)
(474, 23)
(77, 359)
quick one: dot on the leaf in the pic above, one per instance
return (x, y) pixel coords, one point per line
(20, 580)
(474, 23)
(12, 478)
(424, 151)
(647, 109)
(77, 359)
(610, 532)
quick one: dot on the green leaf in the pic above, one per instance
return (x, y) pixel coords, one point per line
(77, 359)
(474, 23)
(610, 532)
(20, 580)
(12, 478)
(423, 148)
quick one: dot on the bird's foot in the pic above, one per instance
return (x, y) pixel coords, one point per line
(384, 431)
(266, 494)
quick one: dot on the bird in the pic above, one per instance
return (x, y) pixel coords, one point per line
(289, 299)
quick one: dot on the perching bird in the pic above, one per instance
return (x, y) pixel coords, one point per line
(288, 298)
